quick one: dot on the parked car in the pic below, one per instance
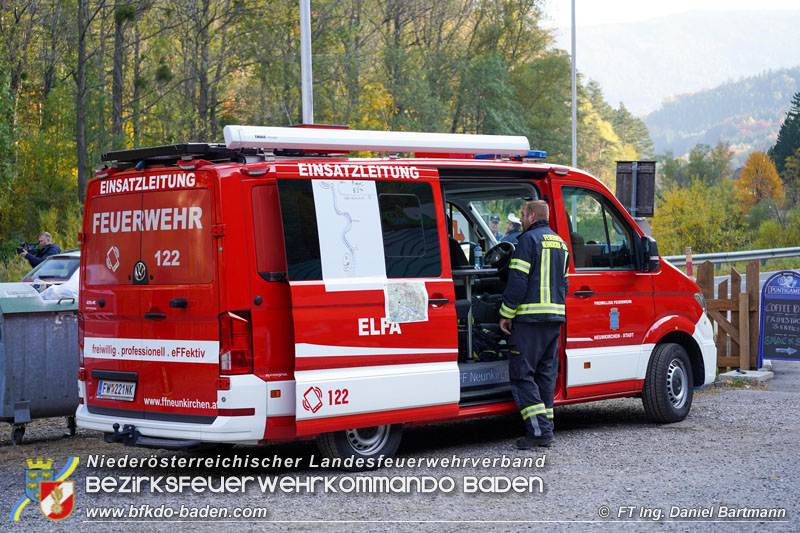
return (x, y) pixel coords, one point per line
(56, 269)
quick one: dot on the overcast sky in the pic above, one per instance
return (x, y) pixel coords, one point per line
(593, 12)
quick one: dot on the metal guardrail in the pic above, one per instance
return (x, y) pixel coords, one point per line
(731, 257)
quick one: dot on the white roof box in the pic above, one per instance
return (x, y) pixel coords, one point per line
(343, 140)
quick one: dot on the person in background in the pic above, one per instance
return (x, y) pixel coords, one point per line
(46, 248)
(494, 226)
(513, 229)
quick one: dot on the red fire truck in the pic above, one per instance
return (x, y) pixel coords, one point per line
(273, 288)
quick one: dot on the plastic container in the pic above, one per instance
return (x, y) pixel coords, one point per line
(478, 256)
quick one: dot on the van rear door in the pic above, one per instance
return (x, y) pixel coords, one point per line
(110, 302)
(179, 305)
(373, 307)
(151, 342)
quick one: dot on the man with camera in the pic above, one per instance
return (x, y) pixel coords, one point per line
(37, 255)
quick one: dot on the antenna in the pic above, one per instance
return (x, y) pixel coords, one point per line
(337, 140)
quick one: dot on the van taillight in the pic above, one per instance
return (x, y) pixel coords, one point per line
(235, 343)
(80, 339)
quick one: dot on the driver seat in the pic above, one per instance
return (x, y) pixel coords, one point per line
(577, 244)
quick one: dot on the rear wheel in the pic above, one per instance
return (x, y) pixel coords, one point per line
(668, 386)
(361, 443)
(17, 433)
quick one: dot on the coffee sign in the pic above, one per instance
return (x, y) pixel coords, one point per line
(780, 317)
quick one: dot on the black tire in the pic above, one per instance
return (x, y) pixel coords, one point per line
(668, 386)
(17, 433)
(362, 443)
(71, 426)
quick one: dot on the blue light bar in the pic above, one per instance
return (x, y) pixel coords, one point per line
(533, 154)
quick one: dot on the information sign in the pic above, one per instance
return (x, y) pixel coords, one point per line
(779, 337)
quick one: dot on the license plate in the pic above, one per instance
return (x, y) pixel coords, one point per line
(116, 390)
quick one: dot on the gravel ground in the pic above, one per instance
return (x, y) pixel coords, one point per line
(737, 449)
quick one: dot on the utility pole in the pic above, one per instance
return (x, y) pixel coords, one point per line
(574, 97)
(307, 89)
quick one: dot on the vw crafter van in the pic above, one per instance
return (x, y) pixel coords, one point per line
(273, 288)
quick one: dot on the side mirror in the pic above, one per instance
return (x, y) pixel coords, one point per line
(651, 260)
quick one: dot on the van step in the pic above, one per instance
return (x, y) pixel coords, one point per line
(485, 395)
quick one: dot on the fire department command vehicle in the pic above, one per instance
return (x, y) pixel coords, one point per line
(269, 289)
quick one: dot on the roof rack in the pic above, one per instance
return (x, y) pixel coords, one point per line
(174, 152)
(338, 140)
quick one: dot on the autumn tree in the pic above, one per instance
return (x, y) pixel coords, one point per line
(84, 77)
(759, 182)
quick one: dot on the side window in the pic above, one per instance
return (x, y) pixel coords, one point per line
(410, 235)
(300, 230)
(270, 255)
(460, 227)
(408, 227)
(600, 238)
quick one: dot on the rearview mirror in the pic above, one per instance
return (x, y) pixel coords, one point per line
(652, 261)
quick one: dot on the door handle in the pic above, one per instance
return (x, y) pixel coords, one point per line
(438, 301)
(584, 293)
(155, 315)
(178, 303)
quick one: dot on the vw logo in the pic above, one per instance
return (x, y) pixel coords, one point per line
(139, 273)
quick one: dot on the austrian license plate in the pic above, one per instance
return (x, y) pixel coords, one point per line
(116, 390)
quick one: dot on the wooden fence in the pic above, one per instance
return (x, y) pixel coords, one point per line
(735, 314)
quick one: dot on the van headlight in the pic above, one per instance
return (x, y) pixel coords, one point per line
(701, 300)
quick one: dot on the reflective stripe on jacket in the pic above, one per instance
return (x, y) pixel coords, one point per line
(537, 277)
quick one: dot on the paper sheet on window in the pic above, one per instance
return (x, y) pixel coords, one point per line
(350, 236)
(406, 301)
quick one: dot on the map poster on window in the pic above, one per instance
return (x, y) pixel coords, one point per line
(350, 237)
(406, 301)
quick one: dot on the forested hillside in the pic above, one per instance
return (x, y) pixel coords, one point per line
(642, 63)
(745, 114)
(83, 77)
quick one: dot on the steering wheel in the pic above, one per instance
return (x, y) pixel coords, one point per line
(499, 255)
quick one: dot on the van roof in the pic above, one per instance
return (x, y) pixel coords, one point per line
(247, 144)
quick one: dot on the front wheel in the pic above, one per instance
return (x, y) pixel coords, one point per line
(361, 444)
(668, 386)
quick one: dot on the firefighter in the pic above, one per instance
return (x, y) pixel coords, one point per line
(532, 312)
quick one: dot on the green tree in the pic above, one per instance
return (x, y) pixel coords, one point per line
(788, 136)
(706, 164)
(633, 133)
(771, 234)
(699, 215)
(791, 177)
